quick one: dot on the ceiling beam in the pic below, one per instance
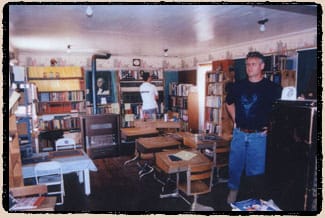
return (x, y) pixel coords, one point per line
(300, 9)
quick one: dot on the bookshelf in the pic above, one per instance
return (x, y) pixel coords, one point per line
(61, 100)
(178, 101)
(217, 120)
(131, 102)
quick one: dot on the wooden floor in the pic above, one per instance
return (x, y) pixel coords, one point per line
(116, 188)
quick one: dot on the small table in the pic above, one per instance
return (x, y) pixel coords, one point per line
(153, 145)
(158, 124)
(171, 167)
(129, 135)
(81, 164)
(134, 133)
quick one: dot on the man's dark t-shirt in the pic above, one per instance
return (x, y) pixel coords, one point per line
(253, 102)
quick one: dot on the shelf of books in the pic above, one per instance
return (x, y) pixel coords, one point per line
(214, 102)
(178, 100)
(217, 120)
(61, 101)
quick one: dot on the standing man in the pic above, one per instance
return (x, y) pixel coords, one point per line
(249, 104)
(149, 95)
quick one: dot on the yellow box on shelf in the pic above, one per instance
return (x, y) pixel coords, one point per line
(55, 72)
(57, 85)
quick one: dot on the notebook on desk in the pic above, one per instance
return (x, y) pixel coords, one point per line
(184, 155)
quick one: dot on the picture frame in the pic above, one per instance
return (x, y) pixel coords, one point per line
(104, 94)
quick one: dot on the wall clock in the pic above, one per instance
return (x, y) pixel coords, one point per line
(136, 62)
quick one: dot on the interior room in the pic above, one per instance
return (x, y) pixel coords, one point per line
(122, 108)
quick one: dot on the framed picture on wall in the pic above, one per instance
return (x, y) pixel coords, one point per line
(103, 87)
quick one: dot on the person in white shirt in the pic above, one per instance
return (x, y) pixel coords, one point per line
(149, 95)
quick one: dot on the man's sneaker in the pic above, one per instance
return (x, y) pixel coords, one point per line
(232, 196)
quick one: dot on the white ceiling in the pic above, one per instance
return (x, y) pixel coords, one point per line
(146, 30)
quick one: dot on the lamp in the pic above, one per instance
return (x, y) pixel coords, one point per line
(262, 24)
(89, 11)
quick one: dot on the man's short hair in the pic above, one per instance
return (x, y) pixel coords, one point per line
(255, 54)
(145, 76)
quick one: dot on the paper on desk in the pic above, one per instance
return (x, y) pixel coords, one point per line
(185, 155)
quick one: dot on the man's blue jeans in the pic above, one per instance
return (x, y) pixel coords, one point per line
(247, 151)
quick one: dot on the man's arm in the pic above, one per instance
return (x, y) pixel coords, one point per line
(231, 110)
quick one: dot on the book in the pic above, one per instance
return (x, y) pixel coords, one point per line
(27, 203)
(254, 205)
(185, 155)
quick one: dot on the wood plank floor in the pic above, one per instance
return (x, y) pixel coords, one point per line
(117, 188)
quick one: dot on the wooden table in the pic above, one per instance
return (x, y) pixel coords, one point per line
(48, 204)
(129, 135)
(200, 142)
(134, 133)
(168, 166)
(158, 124)
(153, 145)
(175, 167)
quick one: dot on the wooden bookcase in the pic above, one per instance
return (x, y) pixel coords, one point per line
(178, 101)
(60, 89)
(61, 96)
(217, 120)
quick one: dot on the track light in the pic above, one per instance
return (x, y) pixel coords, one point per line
(262, 24)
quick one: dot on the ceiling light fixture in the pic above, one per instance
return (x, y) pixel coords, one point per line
(166, 52)
(262, 24)
(68, 48)
(89, 11)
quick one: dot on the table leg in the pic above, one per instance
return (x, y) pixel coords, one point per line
(87, 182)
(174, 194)
(80, 176)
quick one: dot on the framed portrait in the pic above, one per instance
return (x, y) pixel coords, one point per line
(103, 87)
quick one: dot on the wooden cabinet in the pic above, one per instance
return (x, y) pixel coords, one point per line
(101, 133)
(217, 120)
(15, 171)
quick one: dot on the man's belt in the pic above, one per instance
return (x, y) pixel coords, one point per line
(253, 130)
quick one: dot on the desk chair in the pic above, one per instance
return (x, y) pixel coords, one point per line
(50, 174)
(198, 181)
(65, 143)
(222, 160)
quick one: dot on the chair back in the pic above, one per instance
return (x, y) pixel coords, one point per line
(50, 174)
(199, 178)
(65, 143)
(47, 168)
(222, 156)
